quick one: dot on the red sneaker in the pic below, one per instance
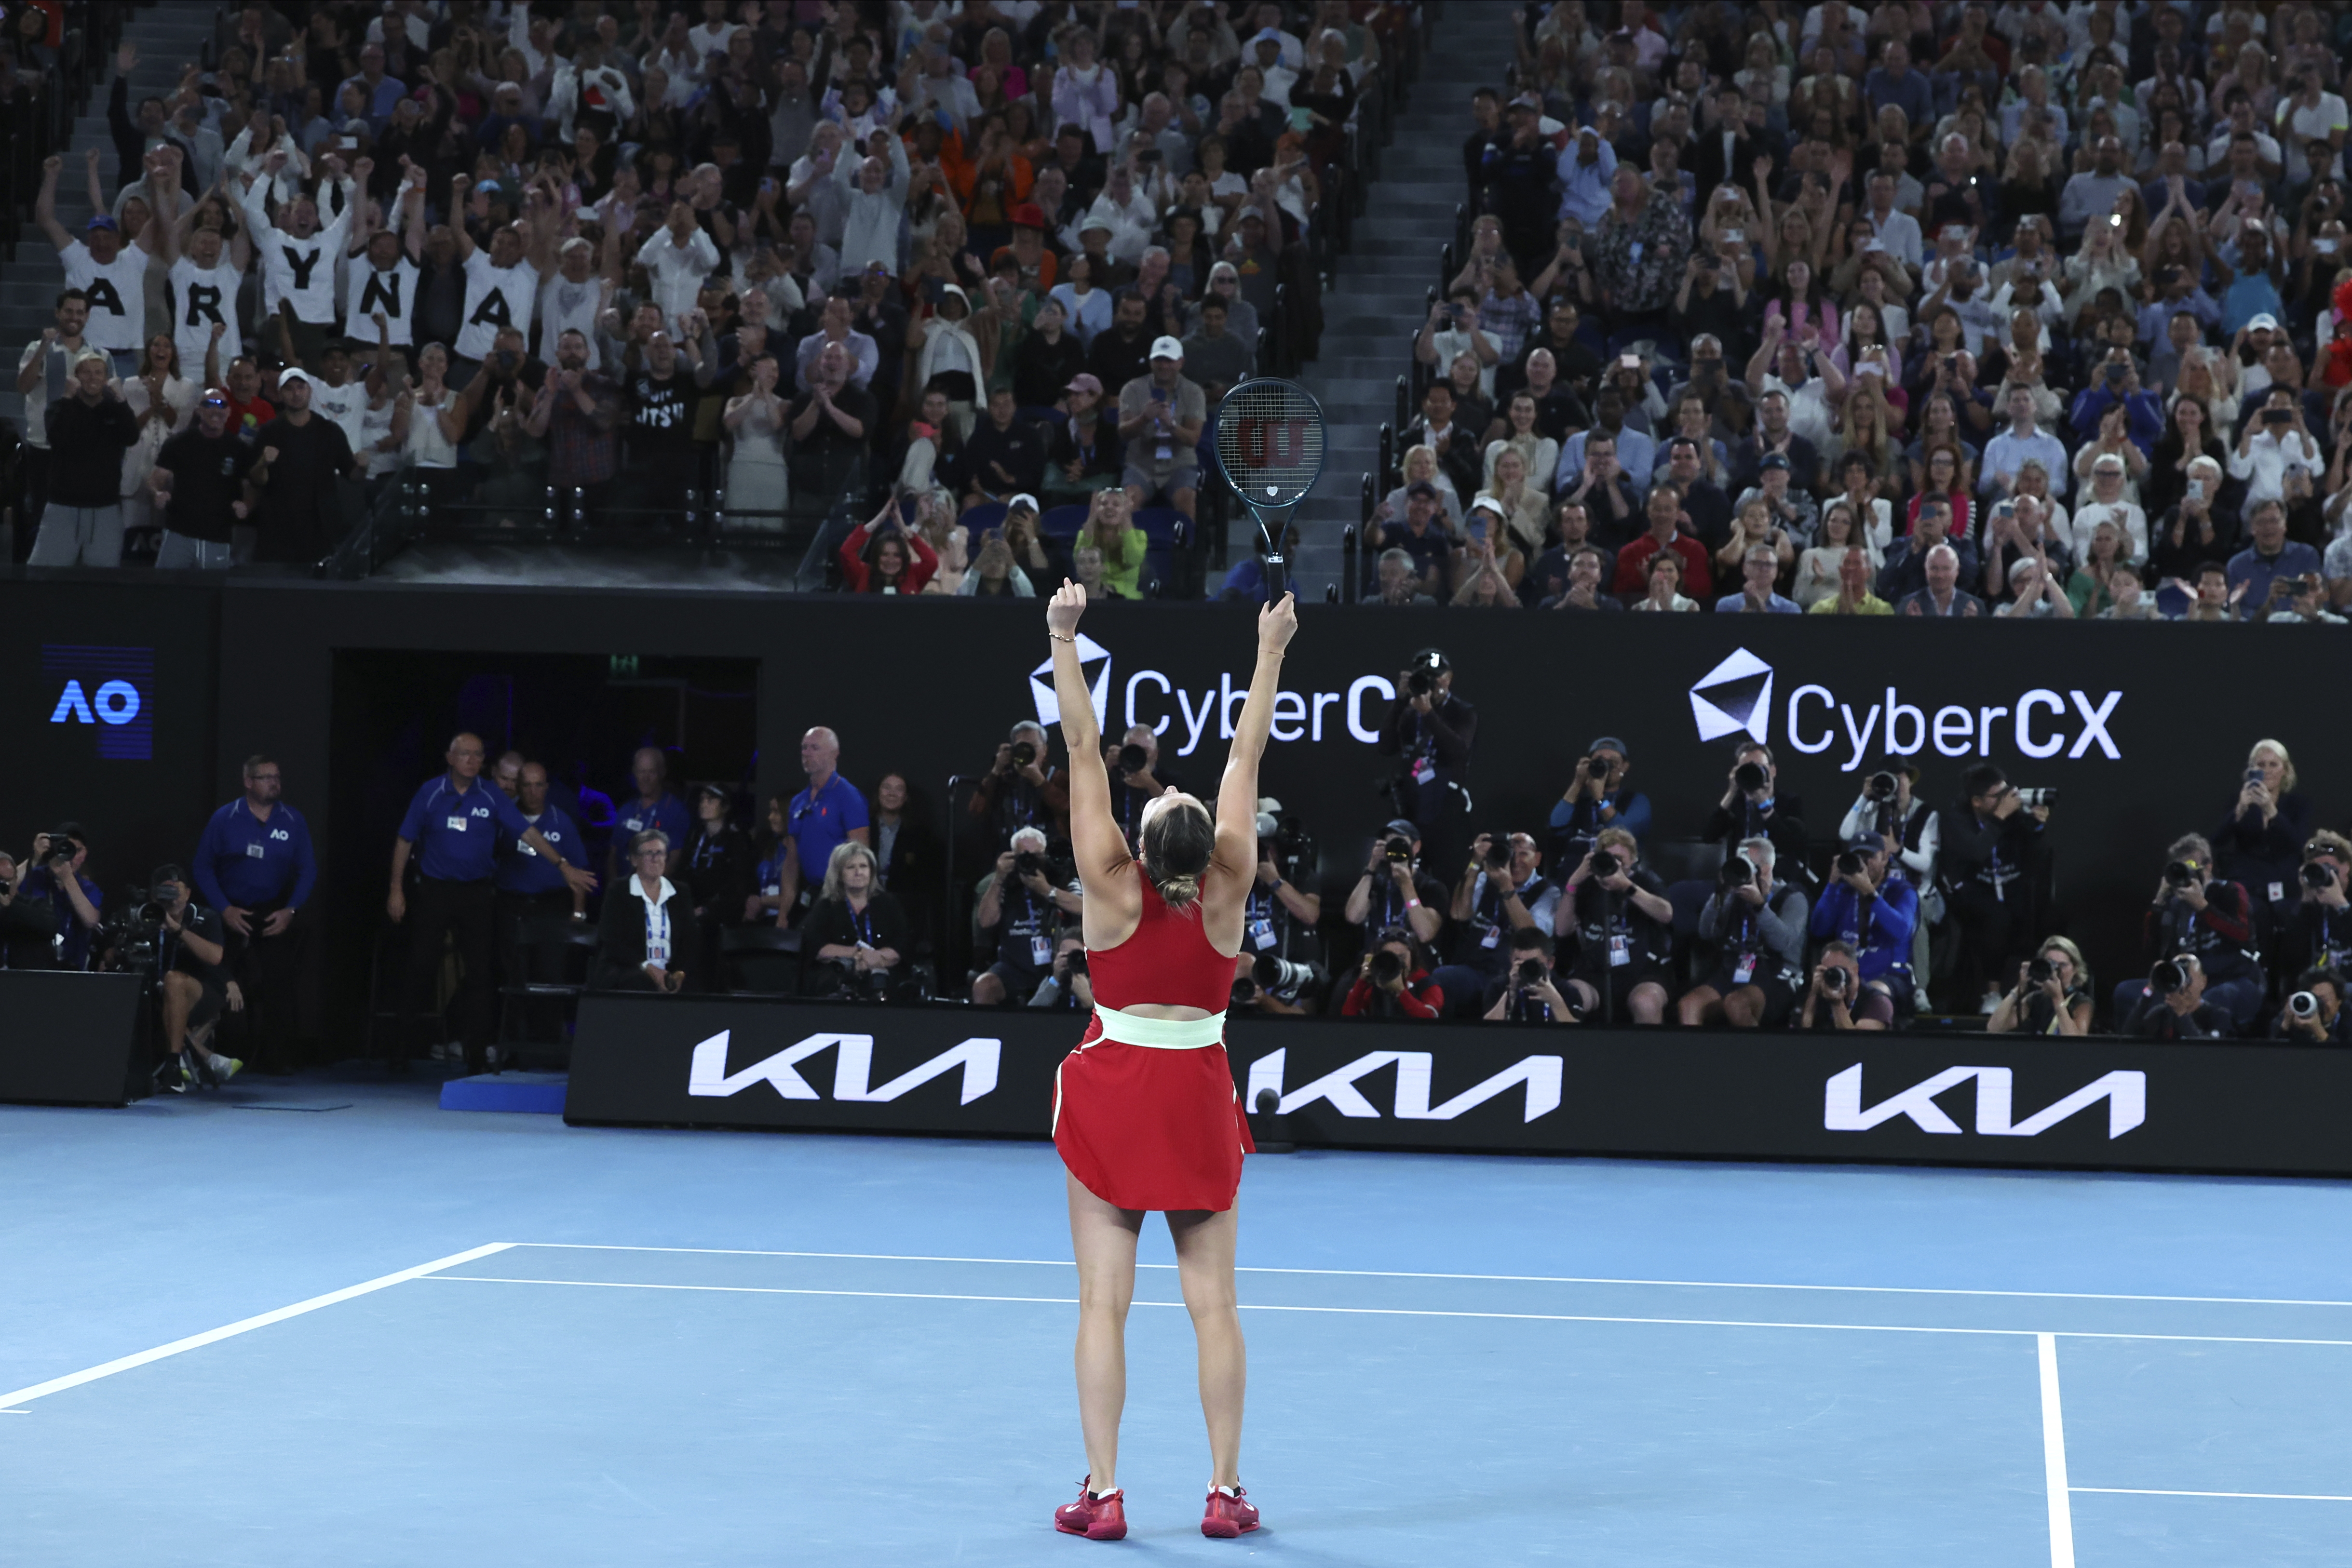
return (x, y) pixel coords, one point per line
(1099, 1518)
(1228, 1517)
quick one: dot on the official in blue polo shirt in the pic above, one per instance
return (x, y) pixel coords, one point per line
(253, 867)
(652, 806)
(818, 819)
(534, 902)
(454, 826)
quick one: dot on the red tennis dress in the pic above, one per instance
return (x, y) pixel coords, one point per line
(1154, 1126)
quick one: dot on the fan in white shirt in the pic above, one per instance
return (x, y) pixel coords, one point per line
(678, 259)
(105, 267)
(298, 255)
(573, 299)
(201, 290)
(383, 276)
(2105, 504)
(501, 283)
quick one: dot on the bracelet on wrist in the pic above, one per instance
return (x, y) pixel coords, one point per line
(1057, 637)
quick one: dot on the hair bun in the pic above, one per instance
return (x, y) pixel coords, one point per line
(1178, 892)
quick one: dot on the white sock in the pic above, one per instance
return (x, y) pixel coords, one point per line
(1229, 1491)
(1098, 1496)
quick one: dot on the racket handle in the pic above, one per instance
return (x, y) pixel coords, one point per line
(1274, 580)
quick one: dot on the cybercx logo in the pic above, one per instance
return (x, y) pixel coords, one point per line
(1843, 1110)
(1189, 715)
(106, 688)
(1541, 1074)
(1736, 696)
(853, 1066)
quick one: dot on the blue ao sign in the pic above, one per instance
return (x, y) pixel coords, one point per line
(107, 689)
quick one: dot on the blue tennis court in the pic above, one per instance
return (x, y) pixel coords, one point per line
(384, 1333)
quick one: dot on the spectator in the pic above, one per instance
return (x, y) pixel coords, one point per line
(46, 375)
(89, 431)
(198, 487)
(719, 868)
(1005, 454)
(648, 938)
(2262, 836)
(1760, 566)
(2007, 451)
(2263, 573)
(1667, 521)
(576, 412)
(857, 929)
(831, 425)
(298, 458)
(1159, 419)
(2268, 444)
(1853, 596)
(2034, 594)
(1941, 595)
(107, 267)
(1110, 528)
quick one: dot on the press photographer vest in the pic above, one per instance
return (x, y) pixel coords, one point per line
(2221, 960)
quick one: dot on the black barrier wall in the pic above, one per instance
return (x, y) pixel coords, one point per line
(2143, 728)
(1983, 1100)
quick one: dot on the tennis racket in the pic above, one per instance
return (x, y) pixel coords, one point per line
(1270, 447)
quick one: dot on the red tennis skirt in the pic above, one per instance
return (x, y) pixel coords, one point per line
(1147, 1128)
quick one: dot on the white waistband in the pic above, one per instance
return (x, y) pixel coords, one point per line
(1161, 1034)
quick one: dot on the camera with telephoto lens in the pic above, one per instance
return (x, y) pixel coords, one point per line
(61, 850)
(1417, 683)
(1282, 840)
(1833, 977)
(1750, 778)
(1024, 753)
(2033, 799)
(1498, 851)
(2317, 874)
(1849, 863)
(2180, 874)
(1397, 847)
(1280, 976)
(1074, 962)
(2039, 972)
(1133, 758)
(1879, 786)
(1530, 974)
(1738, 871)
(2169, 977)
(1387, 967)
(2304, 1005)
(1028, 862)
(1606, 864)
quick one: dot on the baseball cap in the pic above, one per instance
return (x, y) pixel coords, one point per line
(1266, 34)
(1420, 487)
(88, 354)
(1023, 501)
(2266, 322)
(1867, 843)
(1028, 215)
(2108, 463)
(1086, 382)
(879, 265)
(102, 222)
(1774, 460)
(1166, 349)
(1403, 829)
(1094, 221)
(1609, 743)
(293, 373)
(1486, 503)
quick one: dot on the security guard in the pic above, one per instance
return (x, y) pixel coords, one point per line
(532, 894)
(255, 869)
(454, 824)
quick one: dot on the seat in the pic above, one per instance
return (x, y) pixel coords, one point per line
(577, 944)
(978, 520)
(761, 960)
(1062, 523)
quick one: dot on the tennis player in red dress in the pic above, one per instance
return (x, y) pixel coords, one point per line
(1145, 1114)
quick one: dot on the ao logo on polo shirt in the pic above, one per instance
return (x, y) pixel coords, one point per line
(109, 689)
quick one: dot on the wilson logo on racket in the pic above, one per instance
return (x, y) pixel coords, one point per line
(1262, 442)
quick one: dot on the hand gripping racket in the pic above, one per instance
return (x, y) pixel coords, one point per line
(1270, 447)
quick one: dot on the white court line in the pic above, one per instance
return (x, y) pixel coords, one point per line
(2053, 1457)
(2257, 1496)
(1506, 1279)
(244, 1325)
(1373, 1311)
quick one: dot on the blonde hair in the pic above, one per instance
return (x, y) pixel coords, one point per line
(1616, 838)
(843, 854)
(1178, 844)
(2083, 980)
(2286, 763)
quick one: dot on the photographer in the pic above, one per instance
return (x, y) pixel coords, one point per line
(1022, 788)
(1432, 730)
(2210, 920)
(72, 899)
(1597, 798)
(2052, 995)
(1838, 999)
(858, 930)
(1392, 981)
(1913, 834)
(255, 867)
(2319, 933)
(1991, 834)
(2171, 1004)
(1753, 807)
(1615, 910)
(1528, 992)
(189, 954)
(1068, 987)
(1501, 889)
(1758, 921)
(2313, 1014)
(1020, 907)
(1874, 913)
(1394, 891)
(1275, 972)
(1137, 779)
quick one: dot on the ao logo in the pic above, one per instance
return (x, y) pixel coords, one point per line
(104, 688)
(1736, 697)
(853, 1063)
(1841, 1108)
(1541, 1074)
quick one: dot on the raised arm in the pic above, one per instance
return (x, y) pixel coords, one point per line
(1237, 852)
(1095, 838)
